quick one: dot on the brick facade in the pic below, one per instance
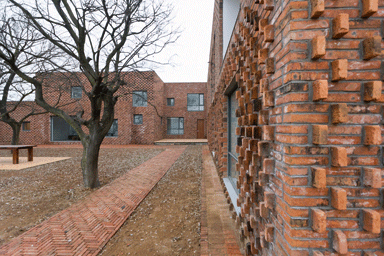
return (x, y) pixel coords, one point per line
(155, 114)
(309, 137)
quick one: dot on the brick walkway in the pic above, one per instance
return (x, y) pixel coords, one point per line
(85, 227)
(217, 227)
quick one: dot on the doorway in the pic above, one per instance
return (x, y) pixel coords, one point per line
(200, 129)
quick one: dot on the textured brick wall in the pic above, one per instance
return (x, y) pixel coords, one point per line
(179, 92)
(152, 129)
(310, 126)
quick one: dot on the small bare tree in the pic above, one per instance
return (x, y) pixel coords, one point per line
(100, 38)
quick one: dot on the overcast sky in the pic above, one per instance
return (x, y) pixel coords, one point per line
(192, 49)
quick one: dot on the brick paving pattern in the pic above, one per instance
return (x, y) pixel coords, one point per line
(85, 227)
(217, 228)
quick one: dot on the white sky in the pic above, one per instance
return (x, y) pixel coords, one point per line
(190, 63)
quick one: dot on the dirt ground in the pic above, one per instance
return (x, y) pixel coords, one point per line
(167, 222)
(30, 196)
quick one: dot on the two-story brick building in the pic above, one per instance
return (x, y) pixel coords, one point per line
(148, 110)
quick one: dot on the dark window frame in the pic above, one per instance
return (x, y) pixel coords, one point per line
(139, 98)
(26, 126)
(180, 126)
(170, 102)
(134, 119)
(78, 94)
(199, 105)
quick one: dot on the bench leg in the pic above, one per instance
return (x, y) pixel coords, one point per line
(30, 154)
(15, 156)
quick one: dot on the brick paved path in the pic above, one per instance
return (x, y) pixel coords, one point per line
(85, 227)
(217, 227)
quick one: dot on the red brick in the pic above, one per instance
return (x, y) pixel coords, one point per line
(318, 47)
(338, 198)
(263, 55)
(262, 24)
(339, 113)
(372, 221)
(268, 5)
(317, 253)
(339, 156)
(317, 8)
(339, 69)
(372, 90)
(269, 34)
(372, 177)
(270, 63)
(340, 243)
(268, 99)
(320, 90)
(319, 221)
(319, 177)
(320, 134)
(370, 7)
(269, 199)
(340, 25)
(269, 232)
(268, 132)
(372, 47)
(269, 165)
(372, 135)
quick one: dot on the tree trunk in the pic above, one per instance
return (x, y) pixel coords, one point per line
(89, 162)
(15, 133)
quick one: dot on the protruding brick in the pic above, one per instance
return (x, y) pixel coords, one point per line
(372, 135)
(340, 243)
(319, 221)
(372, 221)
(317, 253)
(269, 4)
(264, 83)
(340, 25)
(264, 212)
(339, 156)
(268, 132)
(339, 198)
(320, 90)
(372, 47)
(319, 177)
(269, 165)
(317, 8)
(339, 69)
(372, 177)
(369, 7)
(264, 148)
(270, 65)
(269, 34)
(339, 113)
(269, 233)
(262, 24)
(318, 47)
(269, 199)
(263, 55)
(320, 134)
(268, 99)
(263, 179)
(372, 90)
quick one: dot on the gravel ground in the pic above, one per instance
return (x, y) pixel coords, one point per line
(167, 222)
(30, 196)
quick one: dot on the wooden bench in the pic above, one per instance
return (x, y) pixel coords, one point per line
(15, 151)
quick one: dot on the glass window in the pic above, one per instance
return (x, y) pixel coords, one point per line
(233, 175)
(61, 130)
(195, 102)
(171, 102)
(26, 126)
(175, 126)
(76, 92)
(137, 119)
(139, 99)
(113, 130)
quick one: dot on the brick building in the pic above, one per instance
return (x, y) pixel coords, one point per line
(295, 123)
(148, 110)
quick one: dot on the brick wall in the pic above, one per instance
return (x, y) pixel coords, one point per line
(154, 114)
(310, 126)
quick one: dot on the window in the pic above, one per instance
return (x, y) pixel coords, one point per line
(171, 102)
(195, 102)
(175, 126)
(139, 99)
(113, 130)
(76, 92)
(61, 130)
(26, 126)
(137, 119)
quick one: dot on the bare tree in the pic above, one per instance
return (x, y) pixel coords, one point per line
(100, 38)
